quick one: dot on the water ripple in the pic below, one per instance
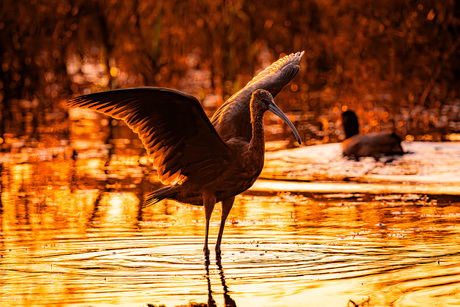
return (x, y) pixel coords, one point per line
(145, 260)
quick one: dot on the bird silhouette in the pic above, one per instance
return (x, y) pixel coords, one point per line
(202, 162)
(375, 145)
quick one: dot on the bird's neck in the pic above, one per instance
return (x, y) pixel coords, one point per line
(351, 130)
(258, 138)
(350, 125)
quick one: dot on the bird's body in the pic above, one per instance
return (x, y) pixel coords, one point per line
(202, 162)
(240, 173)
(375, 144)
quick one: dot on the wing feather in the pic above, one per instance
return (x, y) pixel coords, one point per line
(173, 127)
(233, 119)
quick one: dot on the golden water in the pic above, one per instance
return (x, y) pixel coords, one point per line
(73, 233)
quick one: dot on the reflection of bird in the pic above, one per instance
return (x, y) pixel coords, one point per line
(228, 301)
(203, 163)
(362, 145)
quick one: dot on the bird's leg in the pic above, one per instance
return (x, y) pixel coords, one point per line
(209, 200)
(227, 205)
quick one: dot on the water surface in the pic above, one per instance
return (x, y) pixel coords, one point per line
(73, 233)
(67, 239)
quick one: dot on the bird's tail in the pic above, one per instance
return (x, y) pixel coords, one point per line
(158, 195)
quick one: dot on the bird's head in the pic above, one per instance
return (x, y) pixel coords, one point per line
(263, 101)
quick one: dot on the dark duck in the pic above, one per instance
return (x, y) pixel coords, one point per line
(377, 144)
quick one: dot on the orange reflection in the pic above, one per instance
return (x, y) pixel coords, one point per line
(69, 237)
(118, 209)
(72, 230)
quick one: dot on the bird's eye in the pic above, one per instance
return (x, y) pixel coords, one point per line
(266, 101)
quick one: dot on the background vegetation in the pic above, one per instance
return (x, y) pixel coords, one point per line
(395, 62)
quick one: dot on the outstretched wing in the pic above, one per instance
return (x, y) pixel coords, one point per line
(233, 118)
(173, 128)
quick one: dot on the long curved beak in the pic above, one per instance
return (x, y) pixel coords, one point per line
(274, 108)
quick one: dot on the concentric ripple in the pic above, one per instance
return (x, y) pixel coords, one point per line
(144, 260)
